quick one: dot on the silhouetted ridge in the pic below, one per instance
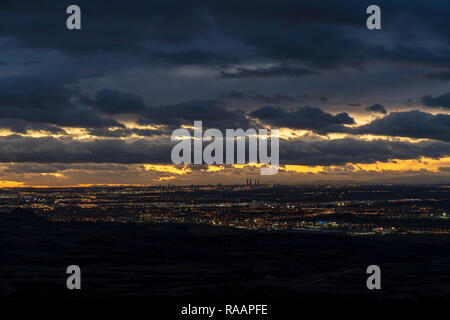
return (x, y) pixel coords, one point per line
(22, 211)
(20, 217)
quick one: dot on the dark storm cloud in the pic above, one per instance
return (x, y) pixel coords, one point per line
(331, 44)
(21, 63)
(271, 72)
(35, 167)
(49, 104)
(276, 98)
(305, 96)
(198, 57)
(211, 112)
(298, 38)
(107, 26)
(304, 118)
(443, 76)
(46, 150)
(259, 97)
(413, 124)
(295, 151)
(233, 95)
(342, 151)
(439, 101)
(116, 102)
(314, 33)
(71, 116)
(36, 99)
(376, 108)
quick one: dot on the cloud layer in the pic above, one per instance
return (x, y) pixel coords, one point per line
(112, 92)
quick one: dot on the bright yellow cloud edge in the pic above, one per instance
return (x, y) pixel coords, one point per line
(397, 165)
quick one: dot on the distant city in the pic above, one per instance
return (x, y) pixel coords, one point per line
(350, 209)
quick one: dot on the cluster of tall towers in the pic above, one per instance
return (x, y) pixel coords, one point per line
(249, 182)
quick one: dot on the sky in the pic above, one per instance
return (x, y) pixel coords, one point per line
(97, 106)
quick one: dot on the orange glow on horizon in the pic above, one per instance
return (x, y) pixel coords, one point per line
(166, 172)
(167, 168)
(11, 184)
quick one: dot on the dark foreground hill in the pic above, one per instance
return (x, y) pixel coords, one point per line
(210, 264)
